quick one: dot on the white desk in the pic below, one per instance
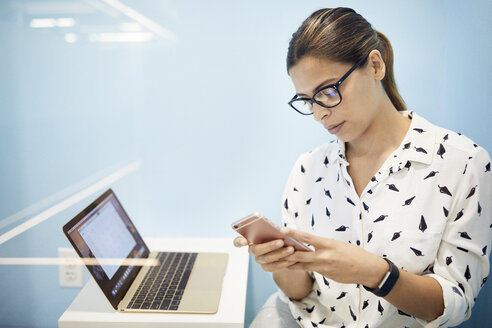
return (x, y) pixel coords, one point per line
(91, 308)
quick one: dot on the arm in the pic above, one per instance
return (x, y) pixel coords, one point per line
(296, 284)
(347, 263)
(416, 295)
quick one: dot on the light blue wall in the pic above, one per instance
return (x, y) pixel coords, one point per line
(207, 116)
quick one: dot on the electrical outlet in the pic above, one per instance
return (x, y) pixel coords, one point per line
(70, 275)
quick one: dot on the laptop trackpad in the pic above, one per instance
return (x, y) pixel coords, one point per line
(203, 290)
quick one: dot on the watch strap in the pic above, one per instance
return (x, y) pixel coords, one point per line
(390, 282)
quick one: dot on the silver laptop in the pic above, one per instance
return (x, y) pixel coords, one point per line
(106, 239)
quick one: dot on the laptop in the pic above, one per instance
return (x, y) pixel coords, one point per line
(111, 247)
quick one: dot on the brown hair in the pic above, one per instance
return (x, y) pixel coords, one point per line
(344, 36)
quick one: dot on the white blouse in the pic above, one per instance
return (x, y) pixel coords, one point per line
(428, 210)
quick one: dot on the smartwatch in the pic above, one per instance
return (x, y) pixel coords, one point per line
(388, 281)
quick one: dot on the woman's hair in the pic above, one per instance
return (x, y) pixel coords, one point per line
(342, 35)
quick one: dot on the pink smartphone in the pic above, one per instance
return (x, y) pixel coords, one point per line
(257, 229)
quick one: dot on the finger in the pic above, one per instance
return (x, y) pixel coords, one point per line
(276, 266)
(240, 241)
(302, 256)
(302, 236)
(261, 249)
(275, 255)
(301, 266)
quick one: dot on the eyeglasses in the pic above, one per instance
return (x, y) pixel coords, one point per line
(328, 96)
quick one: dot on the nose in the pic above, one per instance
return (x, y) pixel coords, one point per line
(320, 111)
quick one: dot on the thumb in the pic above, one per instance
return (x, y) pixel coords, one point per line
(302, 236)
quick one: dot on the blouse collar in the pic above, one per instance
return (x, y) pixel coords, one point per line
(418, 145)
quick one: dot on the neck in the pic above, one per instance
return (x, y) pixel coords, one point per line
(383, 135)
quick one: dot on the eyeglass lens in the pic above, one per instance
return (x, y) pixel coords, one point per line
(329, 97)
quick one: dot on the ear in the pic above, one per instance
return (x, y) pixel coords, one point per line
(376, 64)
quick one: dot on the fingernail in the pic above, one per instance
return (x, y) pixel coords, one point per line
(243, 243)
(283, 230)
(290, 249)
(279, 243)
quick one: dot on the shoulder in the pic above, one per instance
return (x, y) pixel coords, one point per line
(457, 146)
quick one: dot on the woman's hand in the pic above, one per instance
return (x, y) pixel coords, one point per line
(269, 255)
(337, 260)
(296, 284)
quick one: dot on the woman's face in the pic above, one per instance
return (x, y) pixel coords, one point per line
(361, 94)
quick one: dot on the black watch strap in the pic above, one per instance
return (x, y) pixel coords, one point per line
(390, 282)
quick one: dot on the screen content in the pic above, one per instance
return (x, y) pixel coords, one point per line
(107, 237)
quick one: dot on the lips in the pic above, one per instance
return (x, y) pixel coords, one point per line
(334, 128)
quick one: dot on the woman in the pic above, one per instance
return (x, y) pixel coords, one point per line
(397, 210)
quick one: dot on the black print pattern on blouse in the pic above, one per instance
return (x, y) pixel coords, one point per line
(352, 314)
(472, 192)
(416, 251)
(380, 308)
(396, 235)
(431, 174)
(365, 304)
(449, 260)
(444, 190)
(310, 310)
(400, 312)
(409, 201)
(460, 285)
(342, 295)
(392, 187)
(465, 235)
(327, 193)
(327, 283)
(408, 165)
(423, 224)
(350, 201)
(380, 218)
(467, 273)
(459, 215)
(441, 151)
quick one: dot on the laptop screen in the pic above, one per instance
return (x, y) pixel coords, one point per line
(103, 230)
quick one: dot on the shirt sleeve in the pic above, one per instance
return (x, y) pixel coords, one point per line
(462, 263)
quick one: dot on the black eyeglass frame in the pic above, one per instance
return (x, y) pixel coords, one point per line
(333, 86)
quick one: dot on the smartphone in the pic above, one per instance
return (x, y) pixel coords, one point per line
(257, 229)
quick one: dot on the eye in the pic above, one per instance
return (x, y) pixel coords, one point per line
(329, 92)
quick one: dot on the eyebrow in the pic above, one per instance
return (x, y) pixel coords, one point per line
(332, 80)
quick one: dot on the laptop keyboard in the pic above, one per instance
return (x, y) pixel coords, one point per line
(163, 285)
